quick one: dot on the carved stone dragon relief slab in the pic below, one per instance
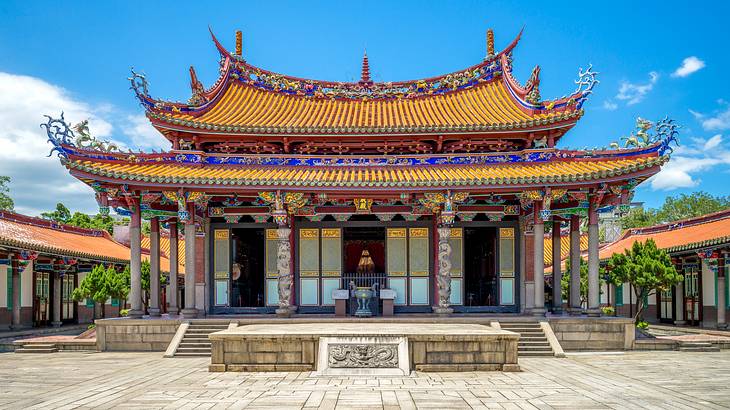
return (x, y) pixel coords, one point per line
(362, 355)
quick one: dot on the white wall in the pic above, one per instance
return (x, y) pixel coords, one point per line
(26, 286)
(708, 284)
(4, 278)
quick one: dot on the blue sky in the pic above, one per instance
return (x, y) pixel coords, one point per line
(75, 56)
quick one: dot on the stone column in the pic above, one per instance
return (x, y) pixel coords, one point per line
(574, 299)
(135, 263)
(154, 308)
(190, 311)
(539, 260)
(594, 301)
(721, 324)
(15, 272)
(557, 270)
(173, 308)
(56, 300)
(443, 276)
(283, 267)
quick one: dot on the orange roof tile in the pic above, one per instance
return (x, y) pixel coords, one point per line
(38, 235)
(690, 234)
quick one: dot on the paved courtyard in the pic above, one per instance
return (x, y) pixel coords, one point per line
(674, 380)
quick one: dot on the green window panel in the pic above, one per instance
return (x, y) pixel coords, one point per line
(309, 252)
(396, 253)
(331, 254)
(619, 296)
(272, 247)
(418, 251)
(272, 292)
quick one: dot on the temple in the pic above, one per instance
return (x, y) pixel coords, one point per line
(437, 190)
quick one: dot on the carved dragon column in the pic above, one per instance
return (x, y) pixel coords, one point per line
(594, 303)
(135, 260)
(443, 277)
(283, 257)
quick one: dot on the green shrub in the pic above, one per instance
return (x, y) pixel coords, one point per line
(643, 325)
(608, 310)
(91, 326)
(123, 312)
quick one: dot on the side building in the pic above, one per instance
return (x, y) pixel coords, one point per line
(700, 249)
(42, 262)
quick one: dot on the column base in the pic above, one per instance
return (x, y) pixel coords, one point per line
(153, 312)
(56, 324)
(722, 326)
(680, 322)
(537, 312)
(442, 311)
(190, 313)
(173, 310)
(283, 312)
(135, 314)
(594, 312)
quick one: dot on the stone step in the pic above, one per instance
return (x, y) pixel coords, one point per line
(35, 349)
(522, 329)
(203, 330)
(698, 347)
(185, 354)
(535, 354)
(194, 344)
(182, 349)
(533, 348)
(533, 338)
(533, 343)
(208, 327)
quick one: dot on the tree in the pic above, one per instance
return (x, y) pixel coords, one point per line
(61, 214)
(93, 287)
(117, 283)
(6, 202)
(565, 281)
(676, 208)
(646, 268)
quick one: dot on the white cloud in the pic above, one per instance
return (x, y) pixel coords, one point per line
(689, 65)
(39, 182)
(143, 135)
(703, 156)
(609, 105)
(719, 120)
(634, 93)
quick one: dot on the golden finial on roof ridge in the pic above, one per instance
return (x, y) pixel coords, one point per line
(490, 43)
(239, 43)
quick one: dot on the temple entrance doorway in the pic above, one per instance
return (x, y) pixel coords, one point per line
(364, 254)
(247, 268)
(481, 281)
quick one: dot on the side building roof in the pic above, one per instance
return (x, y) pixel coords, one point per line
(23, 232)
(677, 238)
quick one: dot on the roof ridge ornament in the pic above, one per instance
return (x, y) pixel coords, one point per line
(585, 82)
(59, 134)
(365, 73)
(490, 44)
(139, 84)
(665, 133)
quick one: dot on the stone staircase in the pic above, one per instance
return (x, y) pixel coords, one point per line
(195, 342)
(698, 347)
(37, 348)
(533, 341)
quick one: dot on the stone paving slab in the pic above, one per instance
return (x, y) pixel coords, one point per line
(637, 380)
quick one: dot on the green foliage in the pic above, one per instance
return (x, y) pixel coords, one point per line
(646, 268)
(93, 287)
(608, 310)
(643, 325)
(565, 280)
(123, 312)
(676, 208)
(60, 215)
(6, 202)
(63, 215)
(117, 283)
(91, 326)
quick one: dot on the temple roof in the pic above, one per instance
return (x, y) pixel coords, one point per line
(686, 236)
(483, 98)
(375, 173)
(43, 236)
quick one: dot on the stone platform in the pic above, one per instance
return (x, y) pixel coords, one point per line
(363, 348)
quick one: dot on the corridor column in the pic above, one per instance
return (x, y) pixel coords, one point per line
(721, 302)
(15, 272)
(574, 298)
(443, 274)
(56, 300)
(173, 308)
(539, 260)
(135, 262)
(190, 311)
(557, 270)
(594, 302)
(154, 309)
